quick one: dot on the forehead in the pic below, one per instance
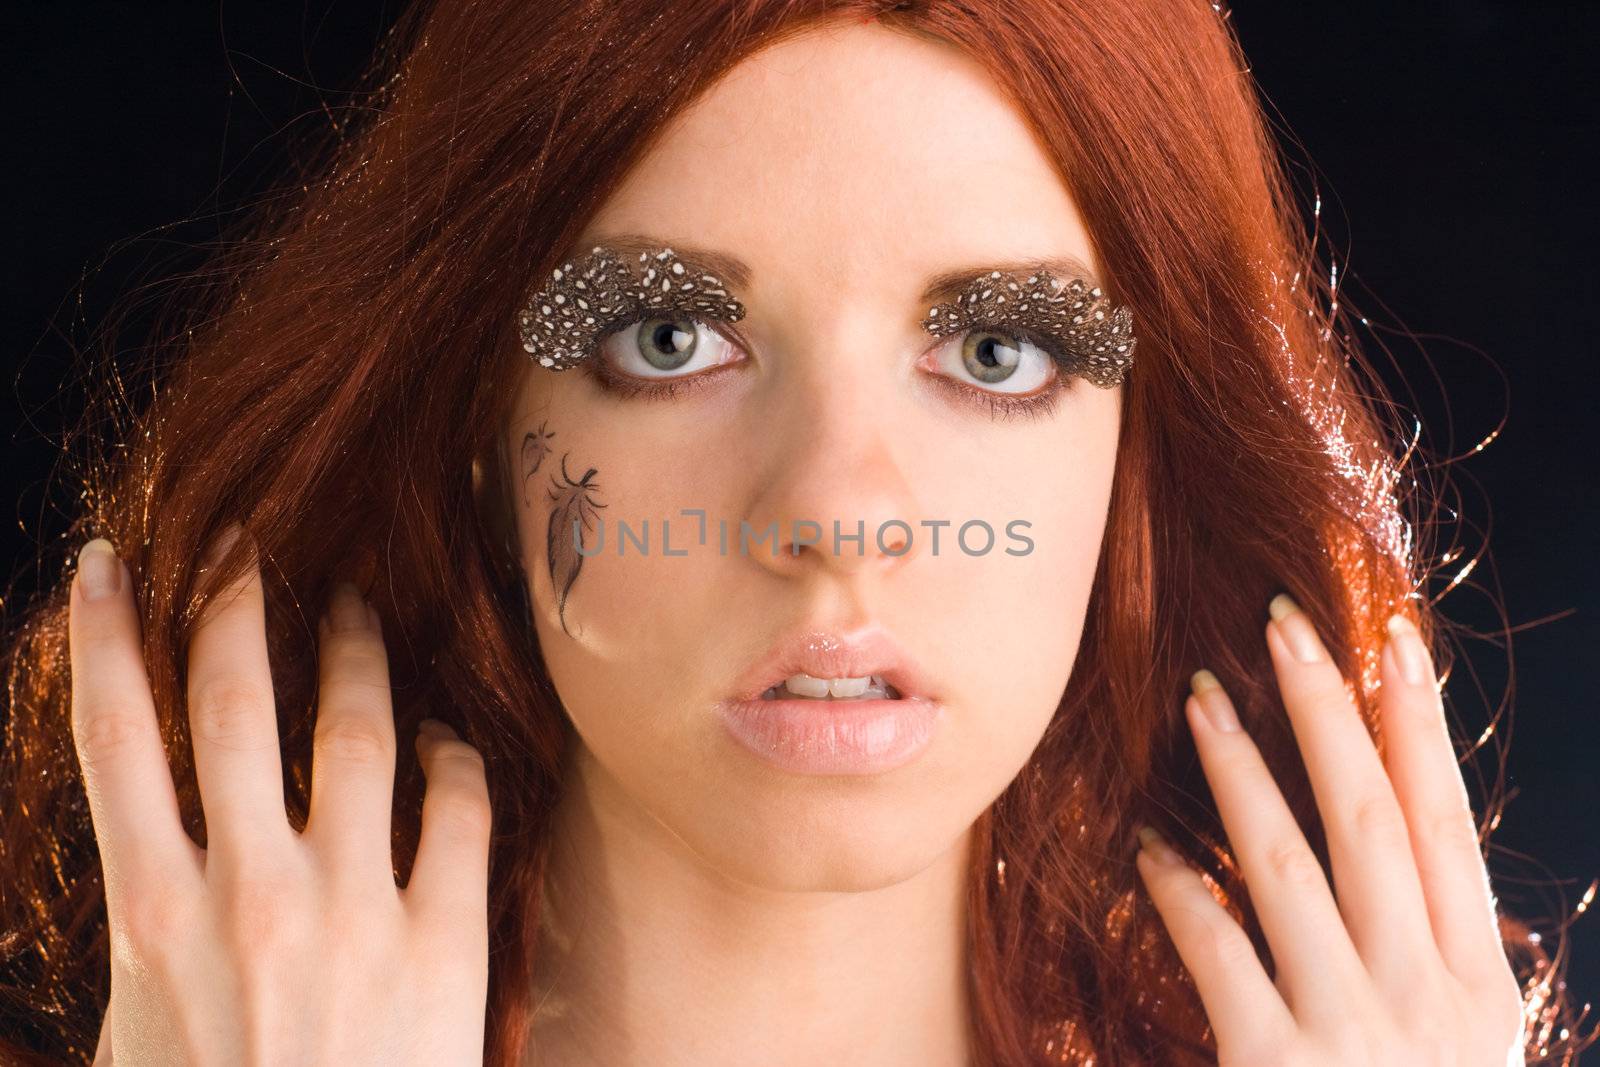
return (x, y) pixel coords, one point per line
(851, 155)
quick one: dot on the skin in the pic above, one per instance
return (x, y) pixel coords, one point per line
(268, 945)
(828, 907)
(1405, 965)
(828, 910)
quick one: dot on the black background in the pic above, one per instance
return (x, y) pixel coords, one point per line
(1449, 143)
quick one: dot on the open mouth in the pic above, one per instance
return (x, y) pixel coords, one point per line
(808, 687)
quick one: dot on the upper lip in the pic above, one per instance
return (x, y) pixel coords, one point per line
(831, 653)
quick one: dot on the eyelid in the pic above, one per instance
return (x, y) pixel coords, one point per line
(667, 313)
(1057, 367)
(1091, 338)
(587, 298)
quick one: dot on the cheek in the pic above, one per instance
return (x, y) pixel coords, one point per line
(652, 640)
(617, 629)
(1015, 634)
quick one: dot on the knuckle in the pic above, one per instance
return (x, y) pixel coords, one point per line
(258, 914)
(460, 812)
(226, 708)
(1325, 688)
(452, 752)
(1454, 828)
(353, 739)
(149, 920)
(1232, 947)
(358, 650)
(103, 734)
(1430, 1022)
(1293, 863)
(1378, 818)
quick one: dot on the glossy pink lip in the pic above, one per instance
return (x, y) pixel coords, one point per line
(834, 736)
(829, 654)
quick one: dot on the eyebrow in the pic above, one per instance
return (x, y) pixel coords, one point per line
(942, 287)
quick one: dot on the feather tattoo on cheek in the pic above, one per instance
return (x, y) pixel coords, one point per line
(535, 446)
(574, 507)
(571, 515)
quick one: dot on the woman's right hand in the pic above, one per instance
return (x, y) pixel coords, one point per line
(271, 946)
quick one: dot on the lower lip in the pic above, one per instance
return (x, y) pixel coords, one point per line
(833, 736)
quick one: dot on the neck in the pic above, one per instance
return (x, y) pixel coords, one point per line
(647, 955)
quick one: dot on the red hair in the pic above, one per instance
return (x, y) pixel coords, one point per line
(346, 359)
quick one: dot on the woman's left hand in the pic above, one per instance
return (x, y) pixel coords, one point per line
(1407, 966)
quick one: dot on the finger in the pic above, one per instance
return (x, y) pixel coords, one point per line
(1243, 1006)
(102, 1049)
(128, 781)
(232, 716)
(451, 872)
(1316, 963)
(353, 750)
(1444, 835)
(1369, 844)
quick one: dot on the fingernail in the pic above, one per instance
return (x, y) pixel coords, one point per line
(1281, 605)
(1296, 629)
(1409, 651)
(346, 610)
(1157, 848)
(99, 569)
(1218, 709)
(221, 542)
(433, 728)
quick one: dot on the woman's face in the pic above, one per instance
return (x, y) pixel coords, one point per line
(845, 169)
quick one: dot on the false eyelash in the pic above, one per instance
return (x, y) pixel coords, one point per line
(1092, 339)
(1055, 347)
(1009, 406)
(587, 297)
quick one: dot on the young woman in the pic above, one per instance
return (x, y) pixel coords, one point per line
(831, 473)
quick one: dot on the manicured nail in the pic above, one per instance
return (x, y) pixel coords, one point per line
(1296, 629)
(434, 729)
(1157, 848)
(1409, 651)
(99, 569)
(1218, 708)
(1281, 605)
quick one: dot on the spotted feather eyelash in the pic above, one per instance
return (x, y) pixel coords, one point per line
(1097, 337)
(586, 299)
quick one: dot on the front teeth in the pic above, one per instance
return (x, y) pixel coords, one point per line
(870, 687)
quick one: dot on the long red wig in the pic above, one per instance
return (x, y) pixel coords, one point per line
(336, 374)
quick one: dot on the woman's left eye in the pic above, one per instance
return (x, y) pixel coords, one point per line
(671, 346)
(995, 361)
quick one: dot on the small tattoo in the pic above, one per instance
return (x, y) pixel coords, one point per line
(535, 446)
(574, 508)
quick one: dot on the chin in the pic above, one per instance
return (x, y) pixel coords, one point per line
(791, 833)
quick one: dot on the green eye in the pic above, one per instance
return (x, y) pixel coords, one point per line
(989, 357)
(667, 344)
(997, 360)
(674, 345)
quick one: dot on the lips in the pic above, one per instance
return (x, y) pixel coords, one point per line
(826, 653)
(828, 735)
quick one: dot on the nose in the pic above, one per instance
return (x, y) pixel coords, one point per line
(833, 497)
